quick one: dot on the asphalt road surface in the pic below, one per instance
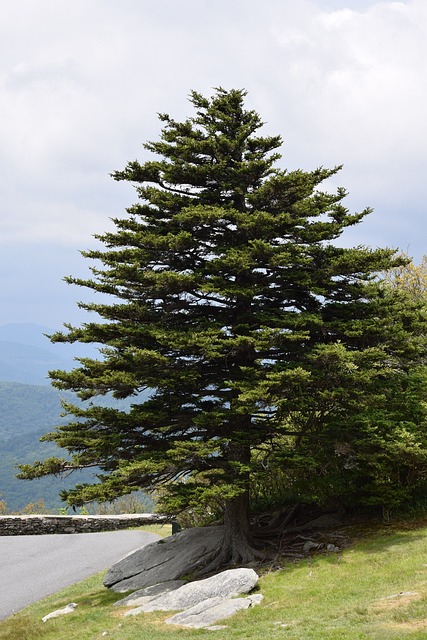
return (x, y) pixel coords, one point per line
(32, 567)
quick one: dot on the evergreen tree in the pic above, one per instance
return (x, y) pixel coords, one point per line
(223, 292)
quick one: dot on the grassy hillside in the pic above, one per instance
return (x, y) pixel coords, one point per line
(374, 590)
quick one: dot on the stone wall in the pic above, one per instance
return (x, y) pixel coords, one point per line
(37, 525)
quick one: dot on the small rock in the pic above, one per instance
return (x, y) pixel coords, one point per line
(310, 546)
(256, 598)
(401, 594)
(60, 612)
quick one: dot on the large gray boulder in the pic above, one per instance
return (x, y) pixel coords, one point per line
(164, 560)
(140, 597)
(210, 611)
(226, 584)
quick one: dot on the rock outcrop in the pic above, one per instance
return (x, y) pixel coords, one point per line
(207, 613)
(156, 573)
(167, 559)
(140, 597)
(202, 603)
(227, 584)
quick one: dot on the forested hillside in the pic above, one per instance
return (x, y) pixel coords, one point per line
(27, 412)
(29, 407)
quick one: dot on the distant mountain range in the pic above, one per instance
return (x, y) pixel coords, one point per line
(26, 333)
(27, 355)
(26, 413)
(30, 407)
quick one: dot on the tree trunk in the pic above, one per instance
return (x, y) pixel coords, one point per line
(237, 545)
(237, 542)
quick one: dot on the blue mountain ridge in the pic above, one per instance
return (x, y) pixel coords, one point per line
(30, 407)
(27, 355)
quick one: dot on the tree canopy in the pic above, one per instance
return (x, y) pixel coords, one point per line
(409, 277)
(267, 347)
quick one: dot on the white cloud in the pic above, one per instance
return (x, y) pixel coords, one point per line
(336, 19)
(80, 86)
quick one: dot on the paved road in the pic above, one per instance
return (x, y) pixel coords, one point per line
(32, 567)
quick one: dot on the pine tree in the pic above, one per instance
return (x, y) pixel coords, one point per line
(220, 289)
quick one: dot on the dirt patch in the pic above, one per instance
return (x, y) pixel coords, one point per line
(395, 603)
(413, 625)
(397, 600)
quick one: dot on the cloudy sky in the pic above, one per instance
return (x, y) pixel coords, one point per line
(343, 82)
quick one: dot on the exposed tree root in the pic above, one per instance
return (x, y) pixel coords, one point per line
(227, 556)
(276, 524)
(277, 536)
(292, 520)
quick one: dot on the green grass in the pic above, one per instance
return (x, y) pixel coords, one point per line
(163, 530)
(327, 597)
